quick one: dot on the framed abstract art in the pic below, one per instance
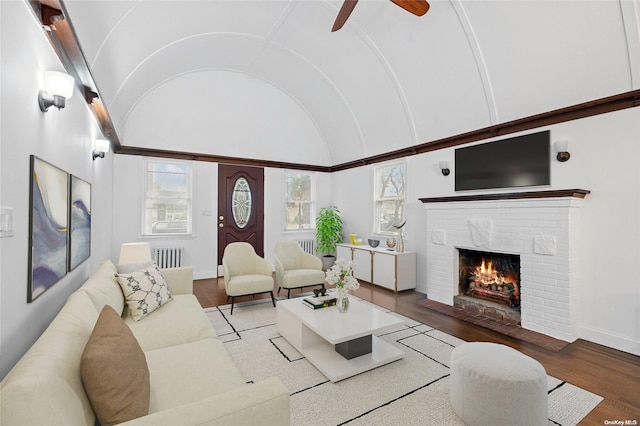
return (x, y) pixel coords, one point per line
(80, 222)
(49, 226)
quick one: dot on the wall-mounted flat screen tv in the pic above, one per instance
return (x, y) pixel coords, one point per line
(508, 163)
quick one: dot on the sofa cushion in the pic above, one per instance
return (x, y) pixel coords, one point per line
(190, 372)
(178, 322)
(302, 277)
(103, 288)
(144, 291)
(114, 371)
(45, 387)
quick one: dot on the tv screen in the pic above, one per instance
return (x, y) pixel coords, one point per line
(508, 163)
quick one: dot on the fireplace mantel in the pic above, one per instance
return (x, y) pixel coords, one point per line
(575, 193)
(542, 227)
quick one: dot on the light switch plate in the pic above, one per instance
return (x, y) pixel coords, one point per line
(6, 222)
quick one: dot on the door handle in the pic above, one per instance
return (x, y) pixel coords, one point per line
(221, 225)
(221, 218)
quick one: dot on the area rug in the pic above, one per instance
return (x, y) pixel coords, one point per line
(411, 391)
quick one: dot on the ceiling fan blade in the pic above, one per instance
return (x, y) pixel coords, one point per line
(417, 7)
(343, 15)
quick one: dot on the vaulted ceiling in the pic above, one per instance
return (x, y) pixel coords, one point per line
(269, 80)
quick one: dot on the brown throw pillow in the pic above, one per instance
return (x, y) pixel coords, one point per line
(114, 371)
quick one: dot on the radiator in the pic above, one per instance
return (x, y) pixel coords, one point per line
(168, 257)
(308, 245)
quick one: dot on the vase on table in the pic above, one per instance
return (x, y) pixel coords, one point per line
(341, 275)
(342, 302)
(400, 244)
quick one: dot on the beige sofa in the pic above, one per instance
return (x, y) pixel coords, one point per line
(193, 379)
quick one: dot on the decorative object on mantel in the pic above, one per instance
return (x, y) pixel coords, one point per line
(341, 275)
(561, 148)
(352, 238)
(400, 247)
(373, 243)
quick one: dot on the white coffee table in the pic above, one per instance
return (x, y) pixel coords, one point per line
(317, 334)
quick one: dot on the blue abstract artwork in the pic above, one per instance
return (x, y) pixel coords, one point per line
(80, 216)
(49, 224)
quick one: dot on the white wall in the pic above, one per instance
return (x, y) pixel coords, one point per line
(63, 138)
(604, 151)
(201, 249)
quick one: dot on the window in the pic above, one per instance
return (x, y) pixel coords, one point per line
(389, 192)
(167, 200)
(299, 212)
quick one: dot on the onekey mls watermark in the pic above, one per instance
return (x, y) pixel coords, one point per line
(621, 422)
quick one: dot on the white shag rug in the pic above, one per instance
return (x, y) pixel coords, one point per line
(410, 391)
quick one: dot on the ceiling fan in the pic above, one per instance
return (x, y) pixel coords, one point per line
(417, 7)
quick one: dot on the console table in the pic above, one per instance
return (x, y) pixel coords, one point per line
(380, 266)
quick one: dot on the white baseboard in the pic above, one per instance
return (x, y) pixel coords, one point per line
(203, 275)
(606, 338)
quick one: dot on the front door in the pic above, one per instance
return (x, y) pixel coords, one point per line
(240, 207)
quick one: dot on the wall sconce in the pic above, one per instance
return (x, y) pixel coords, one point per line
(101, 147)
(58, 88)
(561, 148)
(444, 167)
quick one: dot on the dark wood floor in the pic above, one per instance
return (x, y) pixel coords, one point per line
(612, 374)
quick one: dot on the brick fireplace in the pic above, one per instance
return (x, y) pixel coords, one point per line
(541, 228)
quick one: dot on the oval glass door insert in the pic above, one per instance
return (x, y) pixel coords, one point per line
(241, 202)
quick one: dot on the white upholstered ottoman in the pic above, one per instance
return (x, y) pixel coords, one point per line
(494, 384)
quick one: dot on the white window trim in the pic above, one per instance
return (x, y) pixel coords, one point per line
(191, 226)
(313, 202)
(375, 189)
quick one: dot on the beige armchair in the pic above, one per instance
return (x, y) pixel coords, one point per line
(245, 273)
(295, 268)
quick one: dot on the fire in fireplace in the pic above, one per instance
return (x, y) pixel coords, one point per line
(490, 276)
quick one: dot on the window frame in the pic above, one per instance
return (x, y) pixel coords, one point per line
(189, 198)
(377, 201)
(311, 203)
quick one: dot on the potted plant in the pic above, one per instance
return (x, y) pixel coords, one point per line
(328, 234)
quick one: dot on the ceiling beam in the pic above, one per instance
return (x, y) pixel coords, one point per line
(59, 30)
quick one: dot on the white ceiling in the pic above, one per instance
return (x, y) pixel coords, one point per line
(268, 80)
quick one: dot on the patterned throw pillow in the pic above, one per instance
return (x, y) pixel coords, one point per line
(144, 291)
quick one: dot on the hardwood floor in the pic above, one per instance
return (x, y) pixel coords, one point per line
(612, 374)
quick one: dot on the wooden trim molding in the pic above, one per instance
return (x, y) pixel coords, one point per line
(148, 152)
(575, 193)
(599, 106)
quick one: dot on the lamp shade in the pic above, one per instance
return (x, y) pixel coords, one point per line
(102, 145)
(58, 84)
(560, 146)
(134, 253)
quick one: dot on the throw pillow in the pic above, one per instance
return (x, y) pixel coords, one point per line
(114, 371)
(144, 291)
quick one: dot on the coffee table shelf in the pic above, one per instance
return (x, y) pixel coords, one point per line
(314, 333)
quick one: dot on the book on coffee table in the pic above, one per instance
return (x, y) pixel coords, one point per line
(314, 302)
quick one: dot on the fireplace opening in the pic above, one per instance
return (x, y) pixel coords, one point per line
(490, 276)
